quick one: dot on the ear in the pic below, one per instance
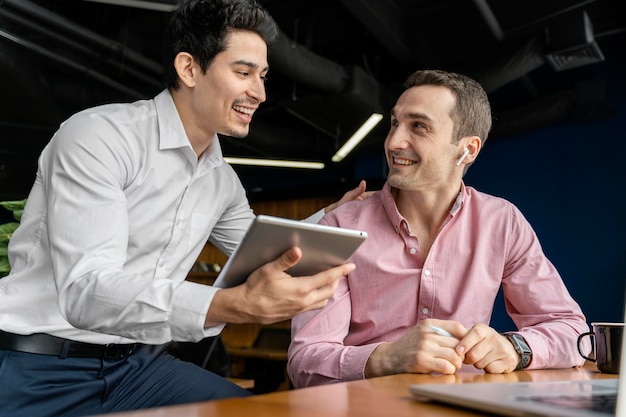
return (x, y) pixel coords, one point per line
(186, 68)
(474, 146)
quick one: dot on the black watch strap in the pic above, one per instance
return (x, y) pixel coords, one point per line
(522, 348)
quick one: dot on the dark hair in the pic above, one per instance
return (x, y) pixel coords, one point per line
(200, 27)
(472, 113)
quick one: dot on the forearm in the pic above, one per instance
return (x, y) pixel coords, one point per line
(381, 364)
(554, 344)
(325, 363)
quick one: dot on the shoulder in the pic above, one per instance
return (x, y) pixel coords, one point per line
(351, 214)
(108, 126)
(482, 200)
(493, 208)
(114, 114)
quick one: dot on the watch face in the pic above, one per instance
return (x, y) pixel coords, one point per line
(522, 348)
(521, 343)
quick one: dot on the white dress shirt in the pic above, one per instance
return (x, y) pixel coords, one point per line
(119, 212)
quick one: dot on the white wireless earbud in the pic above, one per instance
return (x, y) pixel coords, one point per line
(463, 155)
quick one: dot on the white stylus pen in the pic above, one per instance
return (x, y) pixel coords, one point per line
(441, 331)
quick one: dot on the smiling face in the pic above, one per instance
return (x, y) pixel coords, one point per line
(227, 95)
(419, 147)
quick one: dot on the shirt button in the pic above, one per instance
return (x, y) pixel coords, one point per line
(427, 272)
(425, 310)
(412, 251)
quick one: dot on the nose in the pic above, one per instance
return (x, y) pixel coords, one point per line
(395, 139)
(257, 89)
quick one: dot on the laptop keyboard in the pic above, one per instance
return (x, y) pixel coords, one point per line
(596, 402)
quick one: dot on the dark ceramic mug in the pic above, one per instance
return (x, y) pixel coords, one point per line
(606, 345)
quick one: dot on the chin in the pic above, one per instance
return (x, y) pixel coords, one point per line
(240, 133)
(401, 183)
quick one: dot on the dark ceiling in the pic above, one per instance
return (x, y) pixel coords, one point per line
(335, 62)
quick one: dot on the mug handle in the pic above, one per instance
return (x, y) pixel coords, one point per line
(592, 335)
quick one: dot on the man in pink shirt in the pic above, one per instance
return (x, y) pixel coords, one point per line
(437, 253)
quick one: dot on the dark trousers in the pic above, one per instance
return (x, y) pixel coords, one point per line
(42, 385)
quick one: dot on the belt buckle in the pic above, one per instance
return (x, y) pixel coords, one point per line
(114, 351)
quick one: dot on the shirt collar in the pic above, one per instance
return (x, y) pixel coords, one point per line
(172, 134)
(390, 207)
(458, 203)
(394, 215)
(171, 131)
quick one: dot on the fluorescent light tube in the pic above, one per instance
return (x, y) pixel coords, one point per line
(140, 4)
(358, 136)
(274, 163)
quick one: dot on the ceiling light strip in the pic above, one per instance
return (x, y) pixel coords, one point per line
(140, 4)
(358, 136)
(274, 163)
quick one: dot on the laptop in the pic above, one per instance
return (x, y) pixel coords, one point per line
(573, 398)
(268, 237)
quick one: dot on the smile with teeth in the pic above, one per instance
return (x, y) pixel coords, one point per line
(244, 110)
(402, 161)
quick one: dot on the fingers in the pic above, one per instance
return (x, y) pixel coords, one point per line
(446, 366)
(484, 348)
(474, 346)
(288, 259)
(320, 288)
(332, 275)
(354, 193)
(455, 330)
(431, 351)
(293, 255)
(443, 337)
(440, 355)
(357, 193)
(274, 295)
(446, 359)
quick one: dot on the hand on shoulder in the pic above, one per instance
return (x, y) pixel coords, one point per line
(356, 194)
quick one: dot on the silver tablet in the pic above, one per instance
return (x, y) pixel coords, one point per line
(322, 247)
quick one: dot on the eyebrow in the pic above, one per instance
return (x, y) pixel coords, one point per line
(250, 65)
(413, 115)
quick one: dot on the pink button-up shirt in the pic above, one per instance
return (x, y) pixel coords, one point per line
(485, 243)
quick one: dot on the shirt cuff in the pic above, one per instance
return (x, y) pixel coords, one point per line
(190, 305)
(353, 367)
(315, 217)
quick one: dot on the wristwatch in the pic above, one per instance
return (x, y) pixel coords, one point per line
(522, 348)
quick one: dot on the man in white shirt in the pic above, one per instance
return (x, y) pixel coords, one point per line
(124, 199)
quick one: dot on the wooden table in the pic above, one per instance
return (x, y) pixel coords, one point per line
(384, 396)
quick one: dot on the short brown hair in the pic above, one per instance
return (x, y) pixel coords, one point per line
(472, 113)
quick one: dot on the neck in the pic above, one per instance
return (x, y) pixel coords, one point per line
(425, 210)
(199, 139)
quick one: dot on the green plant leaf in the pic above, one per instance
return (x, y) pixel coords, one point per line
(17, 214)
(6, 231)
(13, 205)
(5, 267)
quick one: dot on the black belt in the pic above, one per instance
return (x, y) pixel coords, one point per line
(45, 344)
